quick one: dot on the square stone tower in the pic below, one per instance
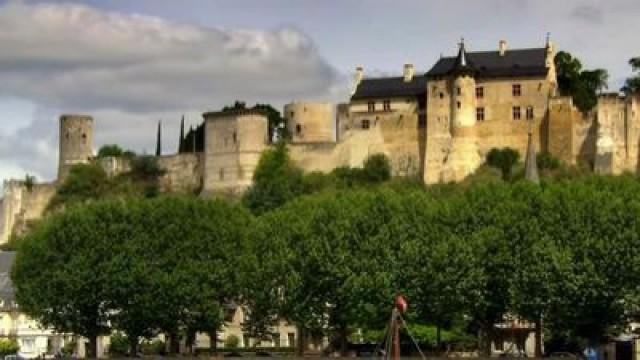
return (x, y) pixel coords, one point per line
(76, 142)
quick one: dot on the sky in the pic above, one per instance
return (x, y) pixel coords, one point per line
(130, 64)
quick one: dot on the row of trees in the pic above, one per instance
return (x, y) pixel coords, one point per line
(563, 255)
(140, 266)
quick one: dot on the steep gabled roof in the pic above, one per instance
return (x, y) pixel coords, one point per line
(514, 63)
(390, 87)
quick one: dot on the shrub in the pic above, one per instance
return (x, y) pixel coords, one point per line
(8, 347)
(503, 159)
(85, 181)
(377, 168)
(231, 341)
(546, 161)
(119, 345)
(29, 182)
(110, 151)
(155, 347)
(145, 168)
(69, 348)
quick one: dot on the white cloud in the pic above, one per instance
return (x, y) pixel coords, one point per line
(76, 57)
(131, 70)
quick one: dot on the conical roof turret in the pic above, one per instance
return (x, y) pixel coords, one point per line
(462, 64)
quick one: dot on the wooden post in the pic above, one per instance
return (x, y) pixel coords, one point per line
(396, 335)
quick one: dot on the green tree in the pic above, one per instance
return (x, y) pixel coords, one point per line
(85, 182)
(276, 123)
(503, 159)
(118, 264)
(377, 168)
(8, 347)
(582, 85)
(632, 84)
(276, 180)
(110, 150)
(60, 273)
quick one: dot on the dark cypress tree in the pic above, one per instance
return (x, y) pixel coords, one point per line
(181, 140)
(159, 140)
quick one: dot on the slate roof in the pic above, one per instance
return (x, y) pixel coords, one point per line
(487, 64)
(7, 292)
(390, 87)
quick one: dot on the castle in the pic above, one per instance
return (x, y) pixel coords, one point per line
(437, 126)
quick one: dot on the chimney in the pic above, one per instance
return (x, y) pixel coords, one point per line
(409, 71)
(502, 47)
(357, 78)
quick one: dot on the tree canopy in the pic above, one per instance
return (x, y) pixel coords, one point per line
(582, 85)
(329, 253)
(632, 84)
(140, 266)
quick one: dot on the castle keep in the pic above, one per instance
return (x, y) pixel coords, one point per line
(437, 126)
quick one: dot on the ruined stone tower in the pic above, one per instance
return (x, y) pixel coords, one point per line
(76, 142)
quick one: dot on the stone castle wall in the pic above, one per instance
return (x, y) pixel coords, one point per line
(22, 205)
(183, 173)
(618, 134)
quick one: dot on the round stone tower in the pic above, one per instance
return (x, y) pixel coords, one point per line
(310, 122)
(464, 156)
(464, 102)
(234, 142)
(76, 142)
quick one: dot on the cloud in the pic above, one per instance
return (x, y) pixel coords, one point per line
(76, 57)
(32, 149)
(589, 14)
(130, 71)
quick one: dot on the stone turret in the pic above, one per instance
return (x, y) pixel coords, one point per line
(234, 142)
(464, 156)
(76, 142)
(310, 122)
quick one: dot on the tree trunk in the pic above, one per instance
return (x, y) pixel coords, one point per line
(174, 344)
(191, 340)
(538, 337)
(300, 343)
(133, 346)
(344, 341)
(213, 342)
(438, 339)
(487, 331)
(92, 349)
